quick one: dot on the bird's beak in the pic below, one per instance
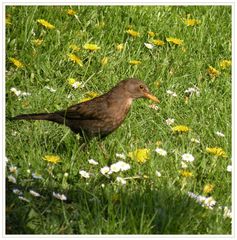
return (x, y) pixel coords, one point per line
(152, 97)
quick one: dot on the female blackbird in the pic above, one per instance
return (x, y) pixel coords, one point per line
(101, 115)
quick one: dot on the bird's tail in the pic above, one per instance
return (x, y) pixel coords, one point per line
(54, 117)
(34, 116)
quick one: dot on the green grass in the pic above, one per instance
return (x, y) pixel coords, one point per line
(145, 205)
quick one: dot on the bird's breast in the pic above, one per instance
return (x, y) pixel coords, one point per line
(119, 110)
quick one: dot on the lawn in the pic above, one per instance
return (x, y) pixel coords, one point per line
(168, 165)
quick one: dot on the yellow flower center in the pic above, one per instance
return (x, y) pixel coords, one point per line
(91, 47)
(176, 41)
(140, 155)
(52, 158)
(45, 24)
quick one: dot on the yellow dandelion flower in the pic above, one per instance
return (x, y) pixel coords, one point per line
(213, 72)
(37, 42)
(71, 80)
(45, 24)
(74, 47)
(85, 99)
(158, 42)
(89, 96)
(135, 62)
(71, 12)
(104, 61)
(217, 151)
(176, 41)
(225, 64)
(52, 158)
(92, 94)
(140, 155)
(16, 62)
(151, 34)
(180, 128)
(75, 59)
(208, 188)
(120, 47)
(191, 22)
(133, 33)
(91, 47)
(185, 173)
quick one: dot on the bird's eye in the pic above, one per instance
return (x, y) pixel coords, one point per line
(141, 87)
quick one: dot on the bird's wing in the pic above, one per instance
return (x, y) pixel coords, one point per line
(89, 110)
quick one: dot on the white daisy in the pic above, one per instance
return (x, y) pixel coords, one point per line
(149, 45)
(121, 180)
(115, 167)
(17, 191)
(19, 93)
(169, 121)
(93, 162)
(183, 165)
(84, 174)
(173, 94)
(161, 151)
(11, 179)
(158, 174)
(24, 199)
(50, 89)
(25, 94)
(187, 157)
(35, 194)
(120, 166)
(105, 170)
(153, 106)
(15, 91)
(59, 196)
(194, 140)
(76, 85)
(220, 134)
(209, 202)
(192, 90)
(123, 166)
(36, 176)
(13, 169)
(229, 168)
(120, 155)
(227, 212)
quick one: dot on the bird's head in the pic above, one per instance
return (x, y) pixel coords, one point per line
(136, 88)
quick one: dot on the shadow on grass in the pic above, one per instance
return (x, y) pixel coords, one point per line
(109, 211)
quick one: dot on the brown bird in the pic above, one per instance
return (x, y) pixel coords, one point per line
(101, 115)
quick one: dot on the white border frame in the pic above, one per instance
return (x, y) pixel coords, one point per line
(116, 3)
